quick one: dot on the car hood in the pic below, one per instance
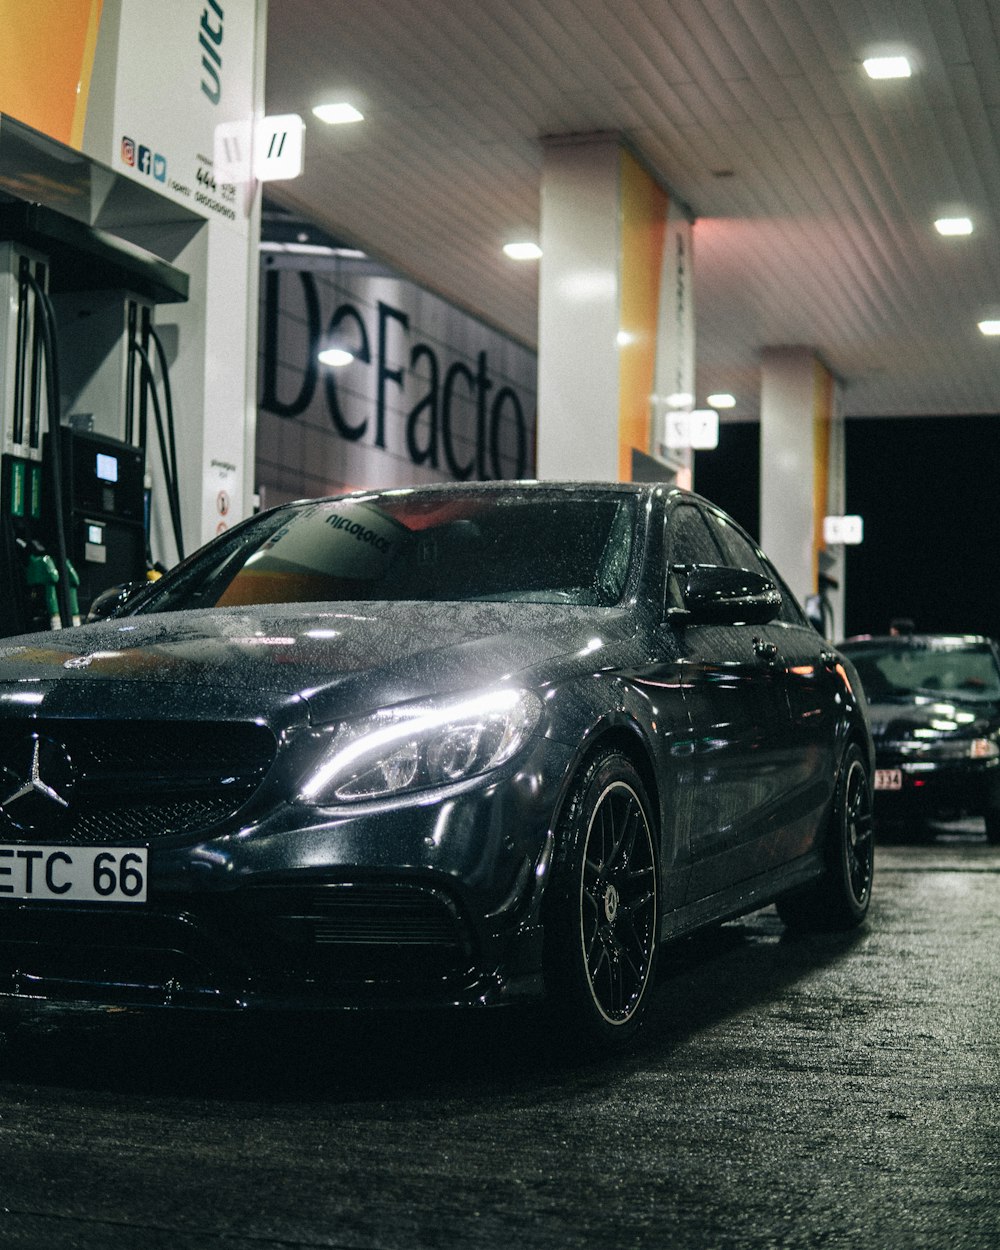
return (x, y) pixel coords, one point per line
(337, 661)
(929, 718)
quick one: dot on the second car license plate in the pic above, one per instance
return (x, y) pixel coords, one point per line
(74, 874)
(888, 779)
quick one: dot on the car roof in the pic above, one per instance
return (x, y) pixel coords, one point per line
(492, 487)
(917, 640)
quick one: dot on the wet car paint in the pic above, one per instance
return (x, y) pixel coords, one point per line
(737, 732)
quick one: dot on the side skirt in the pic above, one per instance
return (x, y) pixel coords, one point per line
(748, 896)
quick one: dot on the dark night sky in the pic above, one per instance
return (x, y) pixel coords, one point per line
(927, 489)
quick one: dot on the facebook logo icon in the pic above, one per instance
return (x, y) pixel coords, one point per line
(160, 168)
(145, 157)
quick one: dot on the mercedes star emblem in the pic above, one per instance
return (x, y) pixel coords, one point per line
(31, 799)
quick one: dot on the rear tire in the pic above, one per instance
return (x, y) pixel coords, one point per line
(841, 897)
(992, 816)
(602, 909)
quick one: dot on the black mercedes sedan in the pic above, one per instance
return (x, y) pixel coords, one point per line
(456, 745)
(935, 716)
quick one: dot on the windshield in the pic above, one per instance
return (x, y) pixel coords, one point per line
(460, 545)
(913, 669)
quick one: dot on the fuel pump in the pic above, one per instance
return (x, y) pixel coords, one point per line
(76, 384)
(36, 582)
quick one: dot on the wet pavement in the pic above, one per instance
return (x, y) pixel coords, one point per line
(823, 1092)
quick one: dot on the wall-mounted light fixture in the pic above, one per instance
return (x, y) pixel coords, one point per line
(338, 114)
(522, 250)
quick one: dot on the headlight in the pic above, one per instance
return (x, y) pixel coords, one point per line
(951, 749)
(418, 745)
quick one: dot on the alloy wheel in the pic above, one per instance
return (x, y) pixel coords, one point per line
(859, 832)
(618, 906)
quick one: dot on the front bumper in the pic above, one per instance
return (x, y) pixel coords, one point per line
(433, 901)
(937, 788)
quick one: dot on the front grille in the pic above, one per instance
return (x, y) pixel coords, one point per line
(103, 823)
(125, 781)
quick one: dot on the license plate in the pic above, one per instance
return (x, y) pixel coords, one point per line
(888, 779)
(74, 874)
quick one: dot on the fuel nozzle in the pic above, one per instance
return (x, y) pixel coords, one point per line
(41, 571)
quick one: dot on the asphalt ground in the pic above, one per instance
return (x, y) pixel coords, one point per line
(821, 1092)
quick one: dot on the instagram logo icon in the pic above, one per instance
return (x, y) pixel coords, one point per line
(128, 150)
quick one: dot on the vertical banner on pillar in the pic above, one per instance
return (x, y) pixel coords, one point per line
(656, 325)
(673, 383)
(199, 55)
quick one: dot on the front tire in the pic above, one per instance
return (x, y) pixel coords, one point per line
(602, 912)
(841, 897)
(992, 817)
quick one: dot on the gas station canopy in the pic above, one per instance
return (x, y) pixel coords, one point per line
(815, 188)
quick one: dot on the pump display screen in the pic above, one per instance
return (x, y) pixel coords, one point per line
(104, 477)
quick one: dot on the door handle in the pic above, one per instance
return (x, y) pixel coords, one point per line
(766, 650)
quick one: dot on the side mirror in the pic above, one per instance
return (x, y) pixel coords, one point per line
(722, 596)
(110, 601)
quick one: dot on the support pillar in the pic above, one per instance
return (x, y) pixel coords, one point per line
(616, 315)
(801, 470)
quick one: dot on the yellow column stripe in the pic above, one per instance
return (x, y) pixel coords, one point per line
(86, 73)
(822, 416)
(643, 230)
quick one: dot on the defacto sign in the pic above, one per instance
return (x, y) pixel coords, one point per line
(430, 393)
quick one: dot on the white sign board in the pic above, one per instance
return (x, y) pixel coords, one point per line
(276, 149)
(843, 530)
(279, 145)
(199, 55)
(698, 430)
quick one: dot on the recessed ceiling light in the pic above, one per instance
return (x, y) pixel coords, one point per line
(340, 114)
(680, 399)
(522, 251)
(990, 327)
(312, 249)
(953, 225)
(723, 400)
(887, 67)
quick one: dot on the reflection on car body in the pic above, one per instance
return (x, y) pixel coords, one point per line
(457, 745)
(935, 714)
